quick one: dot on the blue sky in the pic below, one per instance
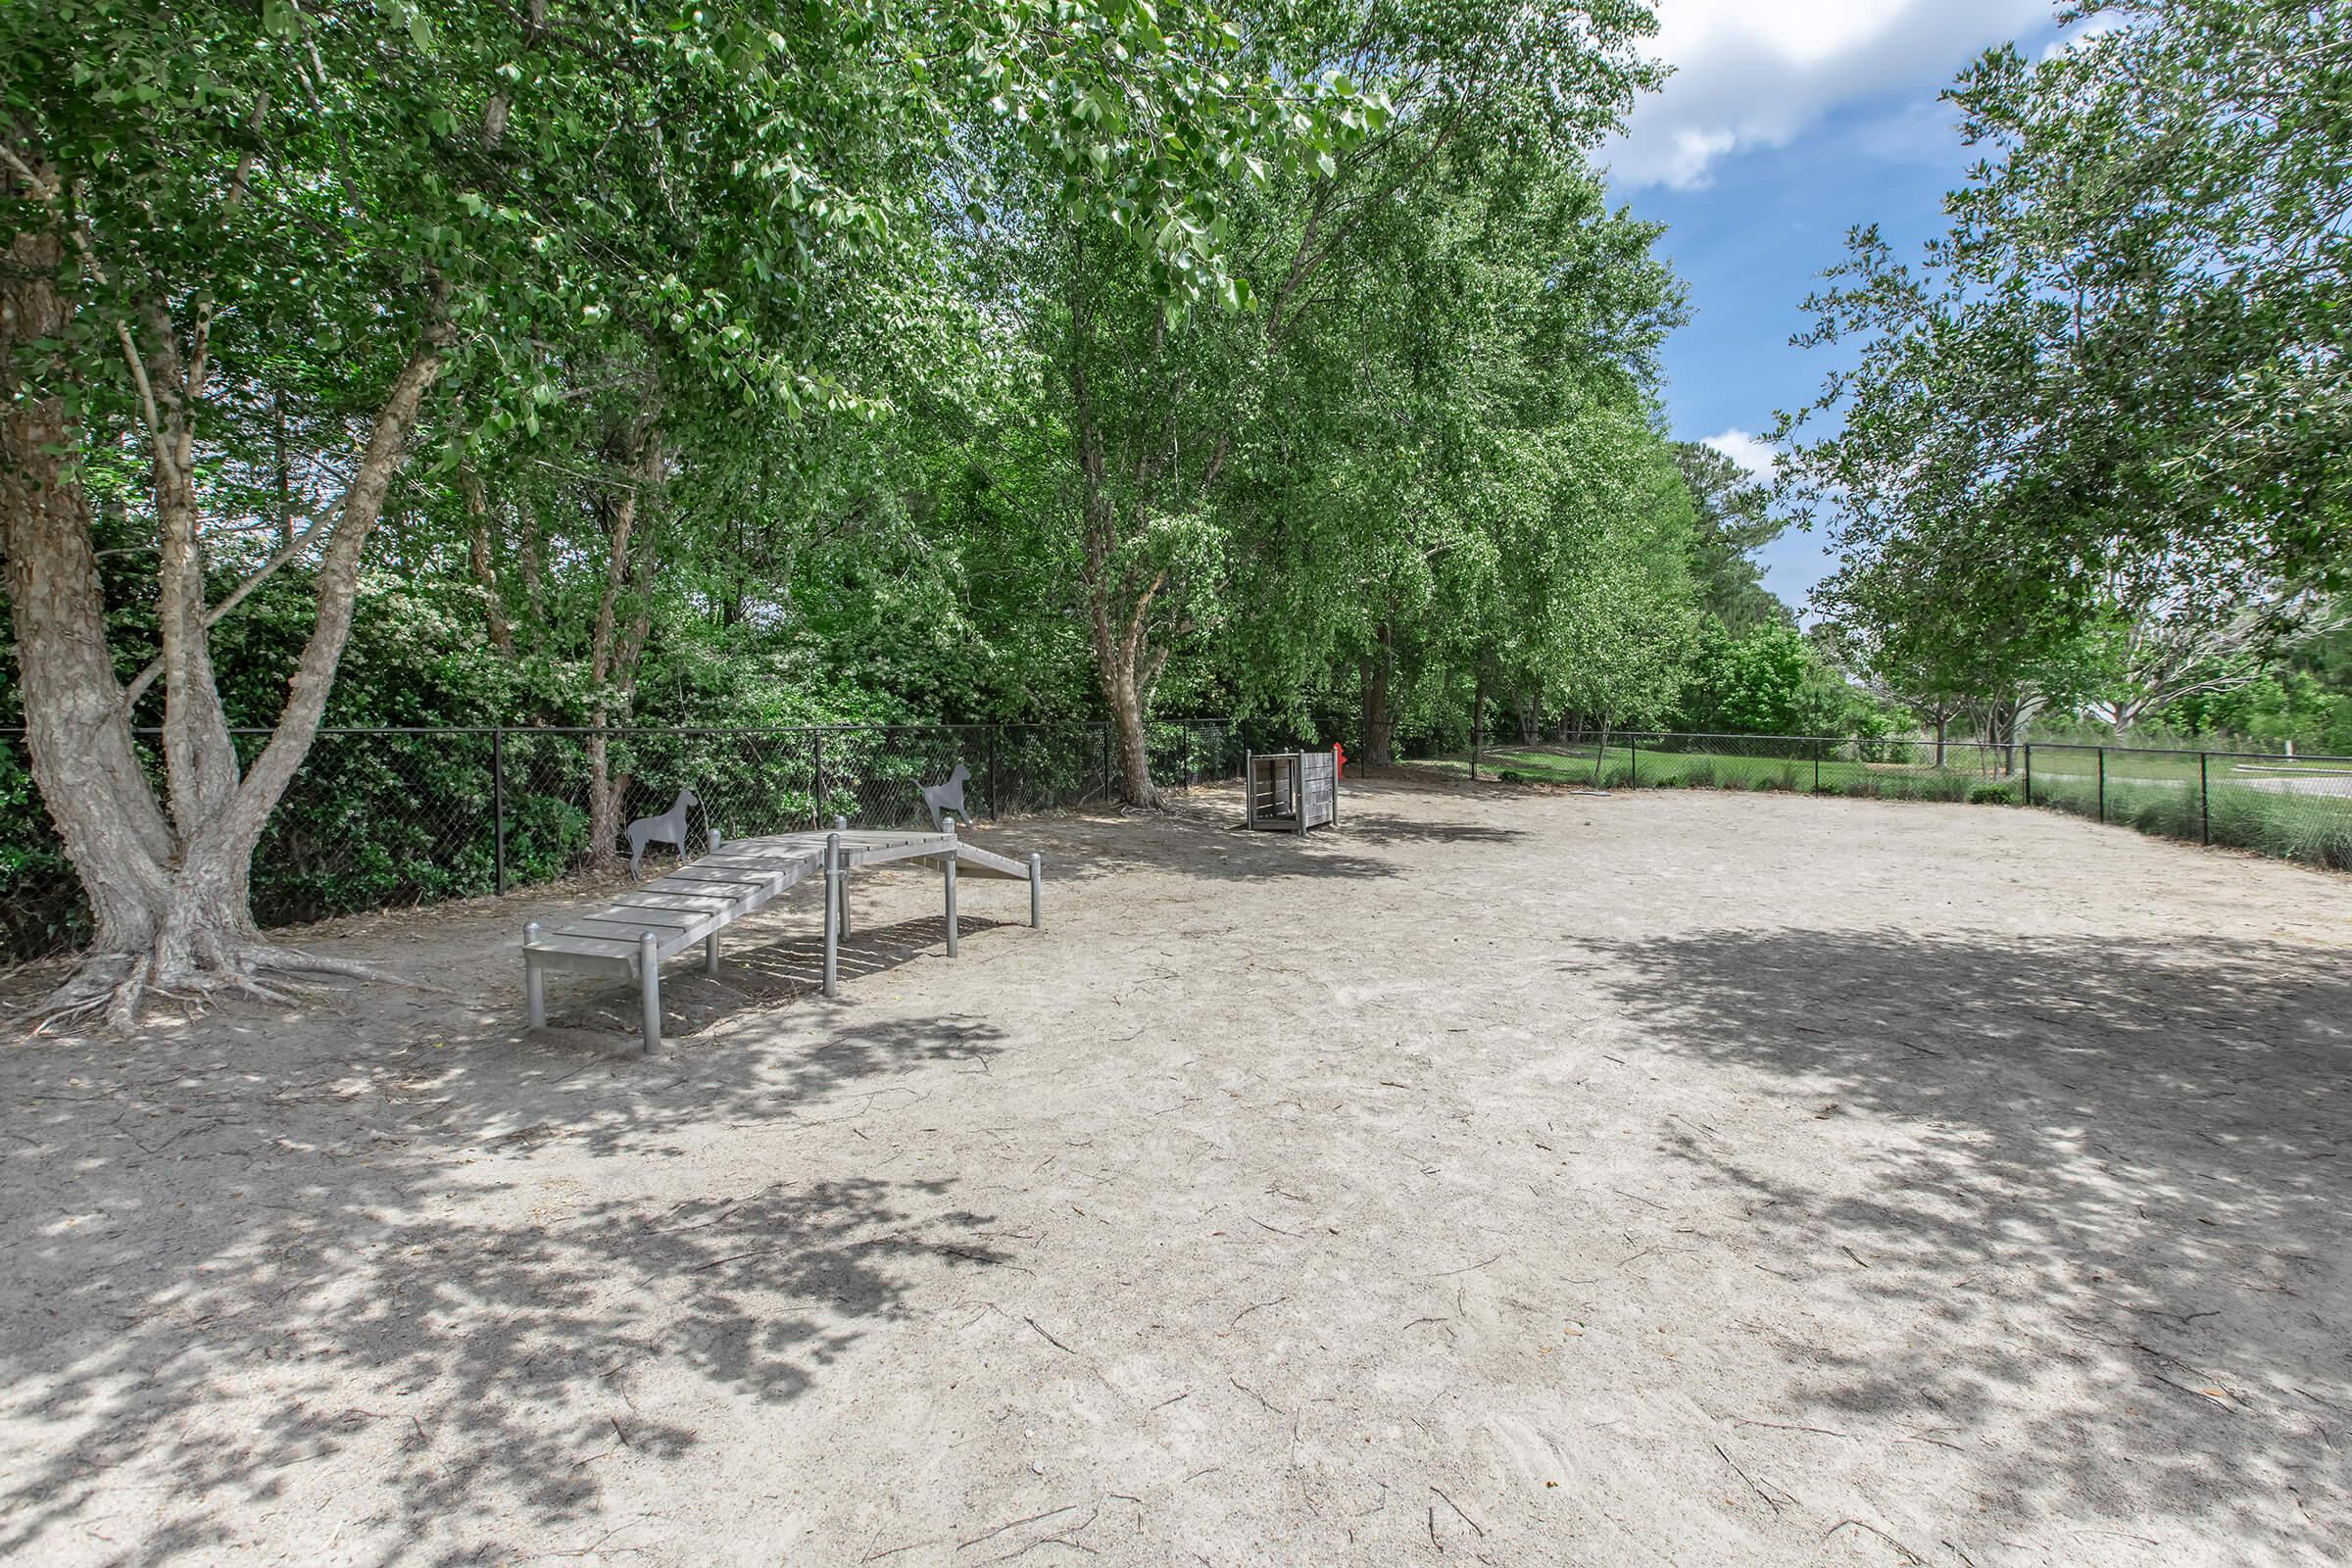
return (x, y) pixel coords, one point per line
(1787, 123)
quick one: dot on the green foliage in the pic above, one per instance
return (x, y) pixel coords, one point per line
(2302, 699)
(859, 363)
(2314, 829)
(2112, 395)
(1770, 681)
(1733, 519)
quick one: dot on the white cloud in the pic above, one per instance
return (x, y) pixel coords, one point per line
(1759, 72)
(1752, 452)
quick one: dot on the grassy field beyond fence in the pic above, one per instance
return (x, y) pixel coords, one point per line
(2296, 809)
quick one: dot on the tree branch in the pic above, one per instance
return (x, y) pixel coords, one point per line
(236, 596)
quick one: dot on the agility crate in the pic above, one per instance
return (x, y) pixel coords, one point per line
(1289, 792)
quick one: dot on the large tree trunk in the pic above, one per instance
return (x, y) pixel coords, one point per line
(1478, 717)
(78, 725)
(1118, 623)
(1379, 712)
(480, 556)
(530, 560)
(614, 652)
(2001, 716)
(1127, 728)
(1126, 665)
(170, 891)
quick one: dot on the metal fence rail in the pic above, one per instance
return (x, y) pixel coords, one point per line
(384, 818)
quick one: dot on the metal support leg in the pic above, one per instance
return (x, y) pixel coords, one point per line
(950, 881)
(648, 981)
(1037, 889)
(841, 824)
(534, 982)
(832, 914)
(711, 953)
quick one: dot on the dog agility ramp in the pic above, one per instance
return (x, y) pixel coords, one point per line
(694, 904)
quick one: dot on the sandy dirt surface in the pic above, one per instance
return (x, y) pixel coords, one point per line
(1508, 1177)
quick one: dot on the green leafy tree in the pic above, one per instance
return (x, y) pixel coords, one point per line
(276, 252)
(1164, 412)
(2113, 394)
(1733, 519)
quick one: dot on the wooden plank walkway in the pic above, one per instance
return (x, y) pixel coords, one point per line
(658, 919)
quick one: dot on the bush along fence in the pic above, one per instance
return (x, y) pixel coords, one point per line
(384, 818)
(2294, 808)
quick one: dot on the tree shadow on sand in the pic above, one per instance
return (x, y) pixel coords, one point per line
(1384, 827)
(2154, 1139)
(773, 966)
(189, 1222)
(1195, 837)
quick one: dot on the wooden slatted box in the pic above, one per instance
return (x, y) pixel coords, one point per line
(1291, 792)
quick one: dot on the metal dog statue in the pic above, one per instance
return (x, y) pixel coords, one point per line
(942, 799)
(668, 828)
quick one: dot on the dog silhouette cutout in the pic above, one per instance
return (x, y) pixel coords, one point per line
(668, 828)
(942, 799)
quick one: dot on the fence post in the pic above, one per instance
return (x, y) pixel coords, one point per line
(2102, 783)
(2204, 800)
(992, 771)
(497, 799)
(2029, 772)
(1817, 765)
(817, 786)
(1633, 774)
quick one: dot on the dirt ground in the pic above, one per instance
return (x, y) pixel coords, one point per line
(1507, 1177)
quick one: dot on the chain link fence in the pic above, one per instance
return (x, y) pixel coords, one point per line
(2294, 807)
(1893, 769)
(385, 818)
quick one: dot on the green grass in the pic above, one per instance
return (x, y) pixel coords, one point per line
(2315, 829)
(2157, 795)
(1794, 773)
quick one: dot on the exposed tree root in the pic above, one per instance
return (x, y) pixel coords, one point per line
(120, 987)
(294, 960)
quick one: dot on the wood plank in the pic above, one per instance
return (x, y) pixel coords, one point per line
(620, 945)
(766, 866)
(636, 922)
(740, 886)
(975, 857)
(773, 882)
(585, 953)
(765, 860)
(682, 902)
(706, 895)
